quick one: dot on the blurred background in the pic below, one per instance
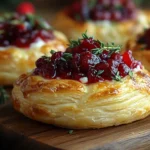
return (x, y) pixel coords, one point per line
(47, 8)
(11, 4)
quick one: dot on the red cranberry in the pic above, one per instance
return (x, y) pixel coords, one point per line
(114, 10)
(104, 55)
(123, 69)
(25, 8)
(56, 56)
(93, 77)
(116, 15)
(77, 76)
(75, 62)
(42, 61)
(117, 57)
(85, 60)
(136, 64)
(109, 65)
(127, 58)
(20, 32)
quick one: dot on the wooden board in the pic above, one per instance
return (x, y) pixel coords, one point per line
(19, 132)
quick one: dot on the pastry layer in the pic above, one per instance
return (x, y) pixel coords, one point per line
(71, 104)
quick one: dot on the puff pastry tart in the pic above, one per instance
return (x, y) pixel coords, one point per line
(91, 85)
(24, 39)
(140, 46)
(106, 20)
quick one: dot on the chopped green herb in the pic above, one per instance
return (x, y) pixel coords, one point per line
(52, 52)
(63, 59)
(117, 77)
(78, 17)
(143, 47)
(43, 24)
(99, 72)
(31, 19)
(2, 31)
(84, 35)
(118, 7)
(46, 58)
(70, 131)
(131, 74)
(73, 43)
(67, 56)
(109, 47)
(15, 22)
(92, 3)
(97, 51)
(3, 95)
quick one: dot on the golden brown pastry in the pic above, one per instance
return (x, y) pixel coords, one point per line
(24, 39)
(91, 85)
(140, 47)
(111, 21)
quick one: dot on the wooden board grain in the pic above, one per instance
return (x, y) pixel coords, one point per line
(19, 132)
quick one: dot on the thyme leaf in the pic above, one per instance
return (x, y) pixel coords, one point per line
(70, 131)
(99, 72)
(109, 47)
(67, 56)
(84, 35)
(52, 52)
(73, 43)
(3, 95)
(117, 77)
(131, 74)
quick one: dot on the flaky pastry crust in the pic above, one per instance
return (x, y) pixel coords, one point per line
(71, 104)
(105, 31)
(15, 61)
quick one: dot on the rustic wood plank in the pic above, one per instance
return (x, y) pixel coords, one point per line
(14, 126)
(9, 140)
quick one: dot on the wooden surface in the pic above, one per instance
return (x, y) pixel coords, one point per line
(20, 133)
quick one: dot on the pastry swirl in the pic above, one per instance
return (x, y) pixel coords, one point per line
(83, 106)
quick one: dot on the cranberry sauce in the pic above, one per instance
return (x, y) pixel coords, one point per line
(114, 10)
(23, 30)
(145, 39)
(88, 61)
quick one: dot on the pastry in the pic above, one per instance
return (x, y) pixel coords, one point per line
(140, 46)
(106, 20)
(91, 85)
(23, 39)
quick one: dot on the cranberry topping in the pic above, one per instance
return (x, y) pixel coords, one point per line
(114, 10)
(25, 8)
(144, 39)
(23, 30)
(88, 61)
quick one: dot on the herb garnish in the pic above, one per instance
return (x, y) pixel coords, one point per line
(131, 74)
(99, 72)
(67, 56)
(3, 95)
(117, 76)
(92, 3)
(75, 43)
(52, 52)
(109, 47)
(70, 131)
